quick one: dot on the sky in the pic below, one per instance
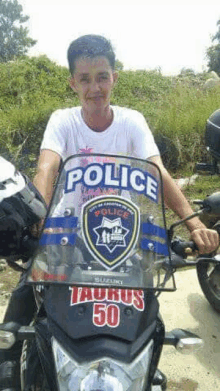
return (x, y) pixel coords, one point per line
(146, 34)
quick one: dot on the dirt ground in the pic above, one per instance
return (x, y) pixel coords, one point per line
(186, 308)
(8, 280)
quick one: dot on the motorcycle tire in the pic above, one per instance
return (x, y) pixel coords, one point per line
(209, 279)
(32, 376)
(41, 384)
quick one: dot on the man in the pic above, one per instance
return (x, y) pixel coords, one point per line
(98, 127)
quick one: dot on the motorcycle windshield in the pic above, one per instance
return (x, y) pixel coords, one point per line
(105, 226)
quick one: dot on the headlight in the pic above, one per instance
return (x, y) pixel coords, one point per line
(101, 375)
(7, 339)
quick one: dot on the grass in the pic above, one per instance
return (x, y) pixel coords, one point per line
(204, 185)
(176, 107)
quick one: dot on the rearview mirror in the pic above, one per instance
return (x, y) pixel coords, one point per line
(212, 203)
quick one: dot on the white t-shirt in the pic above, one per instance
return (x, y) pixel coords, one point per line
(67, 134)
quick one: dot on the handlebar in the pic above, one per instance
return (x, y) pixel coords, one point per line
(28, 245)
(183, 248)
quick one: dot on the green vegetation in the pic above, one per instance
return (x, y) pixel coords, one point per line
(213, 52)
(14, 40)
(32, 88)
(204, 186)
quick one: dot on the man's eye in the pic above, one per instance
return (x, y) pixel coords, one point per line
(84, 80)
(103, 78)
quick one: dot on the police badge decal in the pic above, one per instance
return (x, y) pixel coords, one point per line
(110, 228)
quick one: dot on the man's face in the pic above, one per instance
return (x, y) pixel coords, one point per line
(93, 81)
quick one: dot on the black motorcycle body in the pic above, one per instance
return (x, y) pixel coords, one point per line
(103, 256)
(102, 242)
(209, 272)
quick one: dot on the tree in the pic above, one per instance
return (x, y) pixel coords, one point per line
(118, 65)
(14, 40)
(187, 72)
(213, 52)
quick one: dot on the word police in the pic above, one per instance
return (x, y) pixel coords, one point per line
(97, 175)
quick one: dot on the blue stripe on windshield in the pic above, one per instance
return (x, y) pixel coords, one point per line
(151, 229)
(61, 222)
(51, 239)
(158, 248)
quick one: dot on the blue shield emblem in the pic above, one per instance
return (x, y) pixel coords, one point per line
(110, 227)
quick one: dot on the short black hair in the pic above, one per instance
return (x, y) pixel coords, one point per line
(90, 46)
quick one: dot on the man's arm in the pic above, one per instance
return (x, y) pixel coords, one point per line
(207, 240)
(47, 170)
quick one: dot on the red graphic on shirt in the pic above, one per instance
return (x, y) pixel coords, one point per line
(87, 194)
(86, 150)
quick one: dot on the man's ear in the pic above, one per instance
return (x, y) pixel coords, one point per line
(115, 77)
(72, 83)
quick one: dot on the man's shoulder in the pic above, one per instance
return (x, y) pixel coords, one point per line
(126, 111)
(66, 112)
(128, 116)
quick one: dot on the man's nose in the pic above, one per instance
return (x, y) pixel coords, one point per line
(94, 86)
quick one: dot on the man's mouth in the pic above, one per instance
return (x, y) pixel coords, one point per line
(97, 97)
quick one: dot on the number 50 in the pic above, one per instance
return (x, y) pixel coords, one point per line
(104, 314)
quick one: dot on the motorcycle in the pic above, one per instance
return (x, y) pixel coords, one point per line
(209, 273)
(104, 256)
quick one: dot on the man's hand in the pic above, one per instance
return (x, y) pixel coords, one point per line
(37, 228)
(206, 239)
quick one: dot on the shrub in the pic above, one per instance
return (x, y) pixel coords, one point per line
(30, 89)
(176, 108)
